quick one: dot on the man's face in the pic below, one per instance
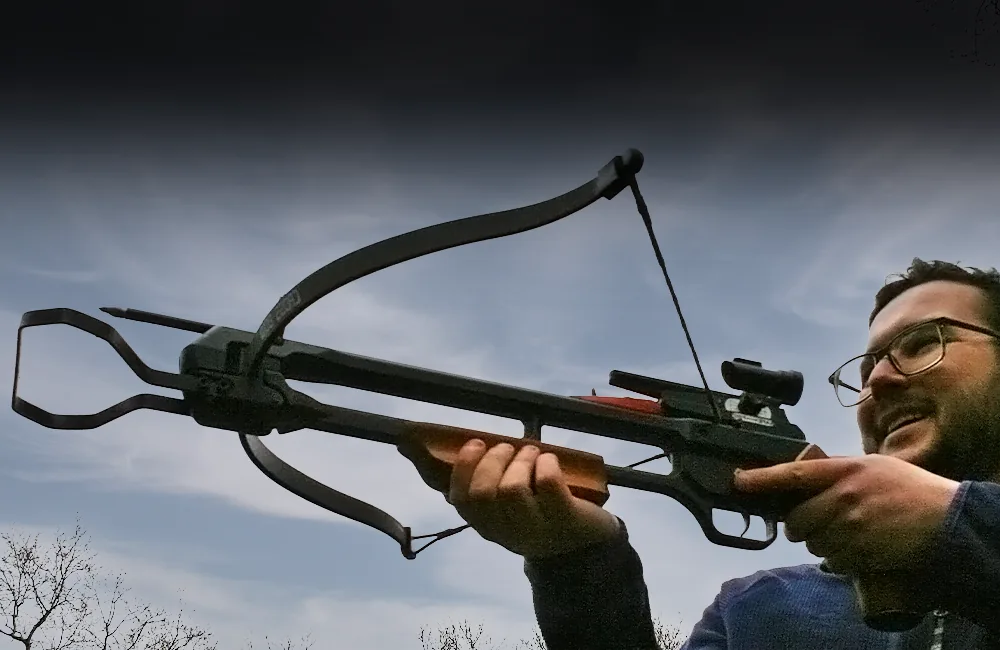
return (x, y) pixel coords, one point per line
(959, 398)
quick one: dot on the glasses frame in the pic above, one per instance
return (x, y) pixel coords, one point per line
(885, 351)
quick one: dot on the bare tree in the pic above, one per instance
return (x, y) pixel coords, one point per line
(536, 642)
(456, 637)
(43, 603)
(118, 623)
(462, 637)
(287, 644)
(667, 637)
(53, 598)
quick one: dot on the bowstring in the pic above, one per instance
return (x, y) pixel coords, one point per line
(644, 212)
(437, 537)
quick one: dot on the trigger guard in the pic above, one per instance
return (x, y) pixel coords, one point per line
(718, 537)
(699, 502)
(723, 539)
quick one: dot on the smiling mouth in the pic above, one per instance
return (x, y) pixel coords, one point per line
(903, 427)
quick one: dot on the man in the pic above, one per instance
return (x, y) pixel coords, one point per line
(923, 500)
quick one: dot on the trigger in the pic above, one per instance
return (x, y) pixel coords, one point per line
(746, 520)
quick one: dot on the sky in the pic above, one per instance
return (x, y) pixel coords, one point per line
(785, 186)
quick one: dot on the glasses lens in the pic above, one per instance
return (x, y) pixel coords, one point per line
(913, 352)
(918, 349)
(849, 381)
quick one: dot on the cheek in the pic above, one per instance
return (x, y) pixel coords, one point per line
(865, 416)
(964, 369)
(866, 425)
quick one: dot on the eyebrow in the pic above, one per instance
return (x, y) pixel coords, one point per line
(888, 339)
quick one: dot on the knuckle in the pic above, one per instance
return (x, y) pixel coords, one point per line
(471, 451)
(850, 494)
(514, 491)
(528, 452)
(523, 465)
(854, 519)
(798, 475)
(504, 449)
(480, 494)
(547, 465)
(547, 480)
(476, 493)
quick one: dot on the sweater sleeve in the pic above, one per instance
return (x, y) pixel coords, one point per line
(710, 632)
(966, 563)
(594, 598)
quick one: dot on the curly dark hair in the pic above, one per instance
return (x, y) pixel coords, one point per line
(922, 271)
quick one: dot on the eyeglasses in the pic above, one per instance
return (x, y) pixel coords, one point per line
(913, 351)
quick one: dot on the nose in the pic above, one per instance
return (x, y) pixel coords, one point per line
(884, 375)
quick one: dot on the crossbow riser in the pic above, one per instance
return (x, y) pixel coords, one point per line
(237, 381)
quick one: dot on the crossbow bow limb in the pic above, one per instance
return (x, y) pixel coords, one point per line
(237, 381)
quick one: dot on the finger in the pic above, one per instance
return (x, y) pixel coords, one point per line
(811, 516)
(516, 482)
(798, 475)
(826, 544)
(465, 467)
(551, 489)
(517, 507)
(841, 564)
(489, 472)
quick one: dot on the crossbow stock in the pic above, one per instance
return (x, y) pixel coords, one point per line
(237, 381)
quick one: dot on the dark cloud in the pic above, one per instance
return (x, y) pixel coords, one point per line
(437, 52)
(314, 96)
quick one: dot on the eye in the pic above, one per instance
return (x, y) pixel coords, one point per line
(917, 342)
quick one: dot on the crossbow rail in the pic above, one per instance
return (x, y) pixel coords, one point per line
(227, 403)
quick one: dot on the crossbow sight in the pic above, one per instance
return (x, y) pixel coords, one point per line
(237, 381)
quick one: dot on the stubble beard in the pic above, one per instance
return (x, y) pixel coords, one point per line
(968, 441)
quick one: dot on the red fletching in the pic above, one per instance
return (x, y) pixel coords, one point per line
(627, 403)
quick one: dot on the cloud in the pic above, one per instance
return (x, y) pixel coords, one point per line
(902, 197)
(71, 277)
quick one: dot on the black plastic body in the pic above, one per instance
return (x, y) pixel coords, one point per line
(704, 453)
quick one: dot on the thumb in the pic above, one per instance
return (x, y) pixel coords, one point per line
(435, 473)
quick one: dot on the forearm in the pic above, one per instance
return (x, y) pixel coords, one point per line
(594, 598)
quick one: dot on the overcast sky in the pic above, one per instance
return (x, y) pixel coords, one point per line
(780, 210)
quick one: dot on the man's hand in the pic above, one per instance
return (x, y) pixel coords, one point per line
(866, 513)
(522, 502)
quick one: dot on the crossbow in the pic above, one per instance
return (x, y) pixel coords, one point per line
(237, 381)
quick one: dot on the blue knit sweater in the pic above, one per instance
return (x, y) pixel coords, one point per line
(596, 598)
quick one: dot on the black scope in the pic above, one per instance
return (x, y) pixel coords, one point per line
(785, 386)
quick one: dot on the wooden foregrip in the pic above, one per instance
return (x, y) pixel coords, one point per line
(433, 449)
(886, 600)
